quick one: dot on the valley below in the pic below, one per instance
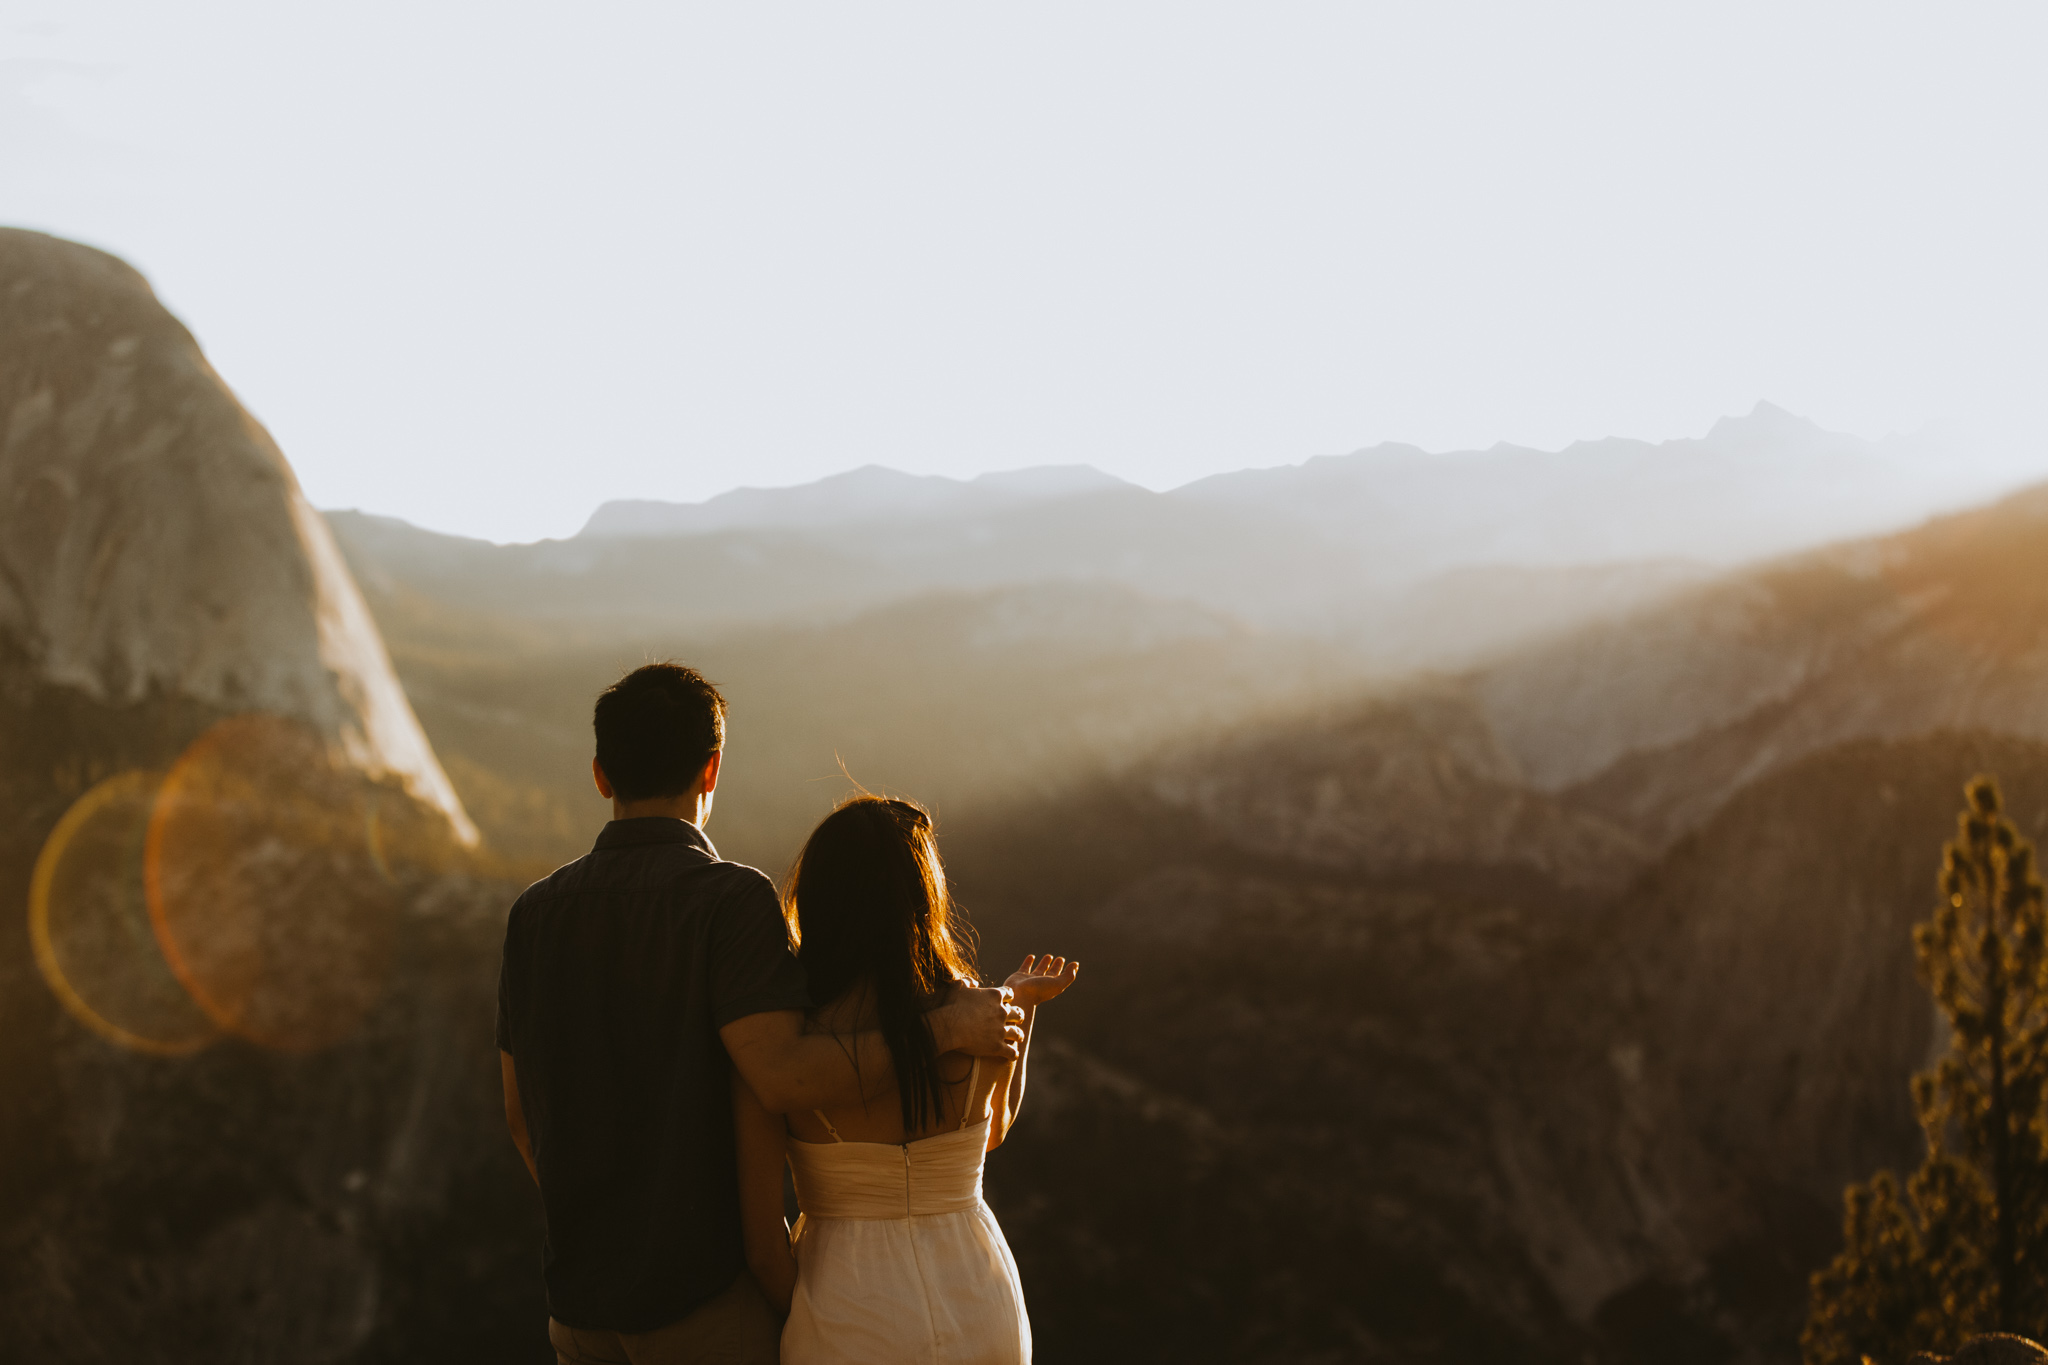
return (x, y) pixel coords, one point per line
(1499, 959)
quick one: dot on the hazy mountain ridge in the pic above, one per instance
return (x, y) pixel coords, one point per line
(1940, 628)
(1410, 560)
(1644, 727)
(1755, 486)
(1123, 539)
(1462, 619)
(870, 493)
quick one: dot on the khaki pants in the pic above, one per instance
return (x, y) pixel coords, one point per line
(736, 1328)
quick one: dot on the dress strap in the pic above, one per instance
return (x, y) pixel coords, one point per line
(967, 1105)
(828, 1125)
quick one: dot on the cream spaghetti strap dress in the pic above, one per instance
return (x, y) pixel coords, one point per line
(899, 1262)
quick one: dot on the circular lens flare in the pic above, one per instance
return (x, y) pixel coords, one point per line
(264, 884)
(89, 925)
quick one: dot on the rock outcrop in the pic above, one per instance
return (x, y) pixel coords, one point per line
(250, 1107)
(153, 541)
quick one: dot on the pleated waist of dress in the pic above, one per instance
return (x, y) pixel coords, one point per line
(878, 1180)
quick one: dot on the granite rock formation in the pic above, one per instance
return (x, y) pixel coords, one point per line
(284, 1144)
(153, 542)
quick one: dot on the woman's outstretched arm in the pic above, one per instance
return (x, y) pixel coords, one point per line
(763, 1145)
(1031, 985)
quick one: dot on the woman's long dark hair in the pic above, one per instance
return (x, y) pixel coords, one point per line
(867, 906)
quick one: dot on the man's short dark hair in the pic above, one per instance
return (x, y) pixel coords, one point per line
(656, 729)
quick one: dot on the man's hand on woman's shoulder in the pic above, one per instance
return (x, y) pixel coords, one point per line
(1041, 978)
(980, 1020)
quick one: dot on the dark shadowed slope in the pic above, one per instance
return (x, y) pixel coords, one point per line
(1370, 1108)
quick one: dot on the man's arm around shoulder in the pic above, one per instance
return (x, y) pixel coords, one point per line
(790, 1070)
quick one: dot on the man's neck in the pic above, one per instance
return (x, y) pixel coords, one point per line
(691, 808)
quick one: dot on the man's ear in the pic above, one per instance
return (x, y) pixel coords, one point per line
(604, 784)
(711, 771)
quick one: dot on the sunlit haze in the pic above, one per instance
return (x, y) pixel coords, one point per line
(485, 267)
(1484, 566)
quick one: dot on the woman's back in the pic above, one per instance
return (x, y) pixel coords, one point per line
(964, 1088)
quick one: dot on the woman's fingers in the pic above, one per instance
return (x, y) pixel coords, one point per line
(1042, 976)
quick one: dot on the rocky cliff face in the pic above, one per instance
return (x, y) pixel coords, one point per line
(249, 1096)
(153, 542)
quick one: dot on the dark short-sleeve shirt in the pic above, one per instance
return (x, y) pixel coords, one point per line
(619, 970)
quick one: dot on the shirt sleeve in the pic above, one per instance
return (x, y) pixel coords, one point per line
(752, 969)
(504, 989)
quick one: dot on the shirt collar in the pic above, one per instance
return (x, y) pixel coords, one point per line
(652, 829)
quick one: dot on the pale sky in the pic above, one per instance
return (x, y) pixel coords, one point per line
(484, 266)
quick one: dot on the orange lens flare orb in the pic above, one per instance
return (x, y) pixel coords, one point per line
(89, 925)
(265, 885)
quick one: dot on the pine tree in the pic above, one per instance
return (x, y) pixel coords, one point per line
(1965, 1250)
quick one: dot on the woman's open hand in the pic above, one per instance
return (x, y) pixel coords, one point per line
(1041, 978)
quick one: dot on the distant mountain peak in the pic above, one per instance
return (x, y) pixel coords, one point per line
(872, 492)
(878, 474)
(1051, 480)
(1766, 421)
